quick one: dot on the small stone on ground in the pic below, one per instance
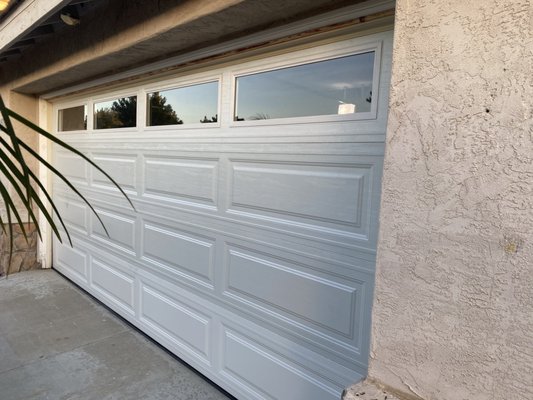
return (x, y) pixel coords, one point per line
(366, 390)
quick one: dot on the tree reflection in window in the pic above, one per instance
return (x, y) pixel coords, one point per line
(161, 113)
(191, 104)
(119, 113)
(206, 120)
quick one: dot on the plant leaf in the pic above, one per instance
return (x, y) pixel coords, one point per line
(34, 194)
(60, 176)
(10, 130)
(11, 156)
(61, 143)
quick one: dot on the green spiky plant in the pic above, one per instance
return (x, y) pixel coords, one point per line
(14, 168)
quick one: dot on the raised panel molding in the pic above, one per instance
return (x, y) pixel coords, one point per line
(184, 326)
(121, 230)
(266, 374)
(72, 167)
(189, 180)
(113, 284)
(122, 168)
(70, 260)
(271, 285)
(183, 253)
(73, 213)
(322, 195)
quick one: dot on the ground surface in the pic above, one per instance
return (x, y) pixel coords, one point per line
(368, 391)
(58, 343)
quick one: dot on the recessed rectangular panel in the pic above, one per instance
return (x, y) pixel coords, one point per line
(282, 286)
(268, 375)
(71, 260)
(72, 212)
(113, 284)
(71, 166)
(121, 168)
(182, 324)
(188, 180)
(121, 229)
(183, 251)
(315, 192)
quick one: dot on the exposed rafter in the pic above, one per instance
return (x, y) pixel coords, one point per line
(48, 27)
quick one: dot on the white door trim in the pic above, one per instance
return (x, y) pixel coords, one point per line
(44, 246)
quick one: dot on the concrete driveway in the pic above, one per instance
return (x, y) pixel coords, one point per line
(56, 342)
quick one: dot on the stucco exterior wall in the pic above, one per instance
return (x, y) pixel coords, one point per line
(27, 106)
(23, 256)
(453, 310)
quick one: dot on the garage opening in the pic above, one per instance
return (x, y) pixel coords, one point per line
(257, 185)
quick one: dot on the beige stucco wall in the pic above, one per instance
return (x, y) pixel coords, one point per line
(453, 310)
(27, 106)
(24, 256)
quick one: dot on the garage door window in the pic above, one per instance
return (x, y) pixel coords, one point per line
(72, 119)
(117, 113)
(337, 86)
(185, 105)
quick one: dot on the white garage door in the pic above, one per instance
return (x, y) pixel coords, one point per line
(257, 188)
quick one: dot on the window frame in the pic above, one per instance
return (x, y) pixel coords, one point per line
(226, 74)
(178, 83)
(308, 56)
(71, 104)
(112, 97)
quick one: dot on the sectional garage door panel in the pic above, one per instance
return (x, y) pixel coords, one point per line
(315, 195)
(320, 259)
(251, 252)
(246, 353)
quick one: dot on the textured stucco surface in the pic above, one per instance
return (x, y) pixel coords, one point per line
(27, 106)
(453, 310)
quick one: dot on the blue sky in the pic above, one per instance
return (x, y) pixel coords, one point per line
(192, 103)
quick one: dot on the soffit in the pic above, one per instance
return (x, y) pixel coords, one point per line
(26, 23)
(33, 72)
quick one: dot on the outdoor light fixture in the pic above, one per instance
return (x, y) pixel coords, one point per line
(69, 15)
(4, 4)
(69, 19)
